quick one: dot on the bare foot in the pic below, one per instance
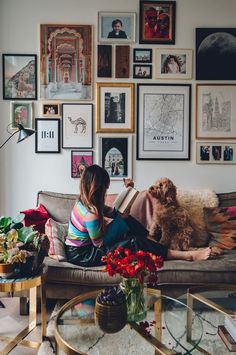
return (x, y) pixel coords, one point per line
(200, 254)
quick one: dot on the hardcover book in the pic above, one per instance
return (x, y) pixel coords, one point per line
(125, 199)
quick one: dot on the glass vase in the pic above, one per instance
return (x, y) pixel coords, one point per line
(135, 299)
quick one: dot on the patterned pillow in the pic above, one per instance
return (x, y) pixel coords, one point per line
(56, 233)
(221, 225)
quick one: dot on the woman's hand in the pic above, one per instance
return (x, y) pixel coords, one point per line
(125, 214)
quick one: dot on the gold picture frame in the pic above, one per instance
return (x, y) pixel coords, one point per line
(51, 109)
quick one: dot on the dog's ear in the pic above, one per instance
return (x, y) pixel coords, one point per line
(171, 192)
(152, 191)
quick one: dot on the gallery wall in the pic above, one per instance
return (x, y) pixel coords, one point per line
(23, 172)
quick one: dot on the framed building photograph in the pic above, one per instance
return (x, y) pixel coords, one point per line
(51, 109)
(77, 126)
(216, 111)
(173, 63)
(142, 71)
(116, 27)
(115, 107)
(104, 58)
(157, 22)
(122, 68)
(142, 55)
(66, 62)
(115, 155)
(21, 112)
(164, 116)
(216, 153)
(19, 76)
(215, 53)
(80, 160)
(47, 136)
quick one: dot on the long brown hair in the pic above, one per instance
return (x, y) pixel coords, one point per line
(93, 186)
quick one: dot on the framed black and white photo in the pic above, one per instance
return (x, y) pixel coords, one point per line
(142, 55)
(216, 153)
(77, 126)
(164, 116)
(47, 137)
(173, 63)
(115, 155)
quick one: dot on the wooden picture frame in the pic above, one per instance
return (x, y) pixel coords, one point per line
(142, 55)
(142, 71)
(51, 109)
(216, 153)
(21, 112)
(122, 67)
(173, 63)
(80, 160)
(47, 136)
(104, 61)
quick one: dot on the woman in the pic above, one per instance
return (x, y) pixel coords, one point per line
(90, 237)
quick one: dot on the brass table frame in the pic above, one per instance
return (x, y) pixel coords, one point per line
(30, 284)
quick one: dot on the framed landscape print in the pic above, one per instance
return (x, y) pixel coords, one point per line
(104, 67)
(51, 109)
(115, 107)
(215, 53)
(80, 160)
(47, 136)
(164, 116)
(122, 61)
(142, 71)
(142, 55)
(66, 62)
(115, 27)
(115, 155)
(21, 112)
(173, 63)
(157, 22)
(77, 126)
(19, 76)
(216, 111)
(216, 153)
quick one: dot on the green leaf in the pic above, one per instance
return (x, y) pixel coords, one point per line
(4, 223)
(26, 234)
(19, 218)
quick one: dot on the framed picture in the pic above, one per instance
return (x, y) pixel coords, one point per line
(47, 137)
(51, 109)
(77, 126)
(216, 153)
(157, 22)
(116, 27)
(80, 160)
(104, 55)
(21, 113)
(142, 55)
(19, 76)
(122, 61)
(164, 116)
(66, 62)
(215, 53)
(115, 107)
(115, 155)
(142, 71)
(173, 63)
(216, 111)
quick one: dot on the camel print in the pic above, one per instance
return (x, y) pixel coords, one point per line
(78, 121)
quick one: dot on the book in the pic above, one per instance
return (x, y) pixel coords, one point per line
(226, 337)
(230, 325)
(125, 199)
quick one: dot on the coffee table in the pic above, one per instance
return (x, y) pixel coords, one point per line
(77, 333)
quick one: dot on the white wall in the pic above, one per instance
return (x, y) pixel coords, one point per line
(22, 172)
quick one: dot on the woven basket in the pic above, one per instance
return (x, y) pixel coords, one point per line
(110, 319)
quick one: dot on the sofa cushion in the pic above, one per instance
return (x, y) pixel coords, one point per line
(227, 199)
(56, 233)
(37, 217)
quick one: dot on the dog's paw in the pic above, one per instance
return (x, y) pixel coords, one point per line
(215, 251)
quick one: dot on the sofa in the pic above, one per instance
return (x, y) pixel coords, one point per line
(65, 280)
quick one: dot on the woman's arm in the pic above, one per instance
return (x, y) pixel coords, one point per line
(94, 229)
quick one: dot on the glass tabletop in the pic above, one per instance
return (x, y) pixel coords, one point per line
(77, 331)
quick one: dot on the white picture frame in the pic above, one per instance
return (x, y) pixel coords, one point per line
(173, 63)
(216, 153)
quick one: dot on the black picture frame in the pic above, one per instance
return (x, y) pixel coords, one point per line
(142, 55)
(142, 71)
(47, 136)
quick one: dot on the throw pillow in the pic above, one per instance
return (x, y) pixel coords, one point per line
(56, 233)
(221, 225)
(37, 217)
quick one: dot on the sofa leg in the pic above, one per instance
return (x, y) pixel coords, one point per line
(24, 306)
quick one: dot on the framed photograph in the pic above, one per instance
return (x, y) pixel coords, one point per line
(47, 136)
(104, 55)
(122, 61)
(115, 155)
(51, 109)
(19, 76)
(157, 22)
(66, 62)
(216, 153)
(164, 116)
(77, 126)
(21, 113)
(80, 160)
(115, 107)
(216, 111)
(215, 53)
(142, 55)
(116, 27)
(173, 63)
(142, 71)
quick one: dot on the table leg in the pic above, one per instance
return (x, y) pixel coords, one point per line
(43, 311)
(189, 316)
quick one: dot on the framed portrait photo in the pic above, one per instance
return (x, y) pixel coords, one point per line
(216, 153)
(21, 112)
(216, 111)
(19, 76)
(50, 109)
(164, 116)
(157, 22)
(173, 63)
(77, 126)
(80, 160)
(115, 155)
(142, 55)
(47, 137)
(116, 27)
(115, 107)
(142, 71)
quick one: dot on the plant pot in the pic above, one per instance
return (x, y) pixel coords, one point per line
(7, 270)
(110, 318)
